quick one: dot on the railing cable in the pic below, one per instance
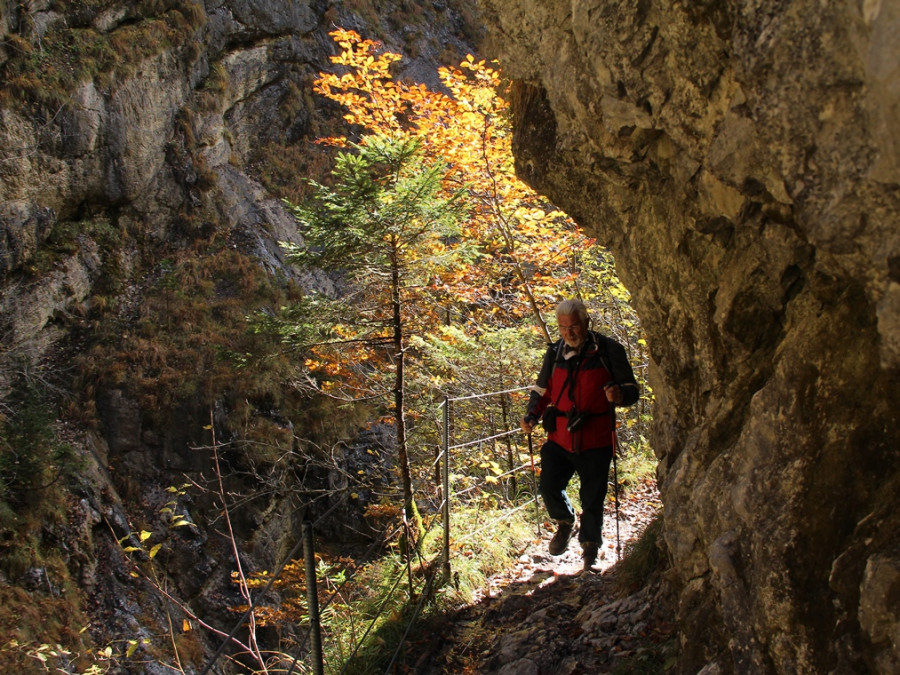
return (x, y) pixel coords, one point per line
(486, 394)
(499, 519)
(484, 440)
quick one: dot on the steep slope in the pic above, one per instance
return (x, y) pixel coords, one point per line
(740, 159)
(144, 151)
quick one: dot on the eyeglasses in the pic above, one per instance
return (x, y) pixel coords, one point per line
(572, 327)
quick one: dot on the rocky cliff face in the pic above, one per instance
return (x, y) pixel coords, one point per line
(144, 149)
(740, 158)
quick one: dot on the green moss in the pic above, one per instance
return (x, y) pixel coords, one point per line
(40, 608)
(192, 344)
(63, 241)
(34, 463)
(366, 10)
(643, 558)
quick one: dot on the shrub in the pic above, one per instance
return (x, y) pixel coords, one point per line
(32, 458)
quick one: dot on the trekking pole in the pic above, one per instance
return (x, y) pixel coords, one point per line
(615, 451)
(534, 484)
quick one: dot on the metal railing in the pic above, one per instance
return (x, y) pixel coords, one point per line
(313, 658)
(445, 455)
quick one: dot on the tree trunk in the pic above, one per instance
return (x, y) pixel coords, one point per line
(399, 404)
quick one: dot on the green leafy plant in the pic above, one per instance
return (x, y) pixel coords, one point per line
(384, 225)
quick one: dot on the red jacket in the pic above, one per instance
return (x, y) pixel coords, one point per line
(575, 384)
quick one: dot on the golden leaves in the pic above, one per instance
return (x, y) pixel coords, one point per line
(524, 248)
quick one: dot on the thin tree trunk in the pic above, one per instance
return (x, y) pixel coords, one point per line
(399, 403)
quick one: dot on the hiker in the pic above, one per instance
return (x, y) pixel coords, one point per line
(583, 377)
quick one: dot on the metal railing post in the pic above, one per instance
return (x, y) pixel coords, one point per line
(312, 599)
(446, 481)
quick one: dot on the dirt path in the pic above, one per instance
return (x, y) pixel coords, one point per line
(548, 616)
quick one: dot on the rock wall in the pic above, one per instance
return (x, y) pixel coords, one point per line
(132, 135)
(153, 140)
(740, 159)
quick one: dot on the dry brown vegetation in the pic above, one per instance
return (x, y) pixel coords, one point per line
(45, 70)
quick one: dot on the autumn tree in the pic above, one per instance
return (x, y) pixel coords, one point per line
(524, 241)
(524, 254)
(384, 226)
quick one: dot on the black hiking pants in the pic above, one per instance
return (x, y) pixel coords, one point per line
(557, 468)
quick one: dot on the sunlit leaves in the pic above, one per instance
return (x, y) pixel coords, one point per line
(387, 227)
(516, 233)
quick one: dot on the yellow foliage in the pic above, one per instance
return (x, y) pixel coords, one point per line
(516, 230)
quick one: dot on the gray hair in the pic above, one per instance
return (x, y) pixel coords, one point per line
(573, 306)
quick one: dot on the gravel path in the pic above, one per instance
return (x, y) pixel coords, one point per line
(546, 615)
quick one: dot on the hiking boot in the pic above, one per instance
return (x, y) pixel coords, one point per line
(561, 539)
(589, 551)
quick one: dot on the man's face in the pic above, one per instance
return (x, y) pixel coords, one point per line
(572, 329)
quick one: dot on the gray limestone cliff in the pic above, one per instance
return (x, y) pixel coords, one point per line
(741, 160)
(144, 150)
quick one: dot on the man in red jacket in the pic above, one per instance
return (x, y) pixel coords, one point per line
(583, 377)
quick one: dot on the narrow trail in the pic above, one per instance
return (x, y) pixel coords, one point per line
(546, 615)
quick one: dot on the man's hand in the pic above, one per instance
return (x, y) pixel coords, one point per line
(528, 423)
(614, 393)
